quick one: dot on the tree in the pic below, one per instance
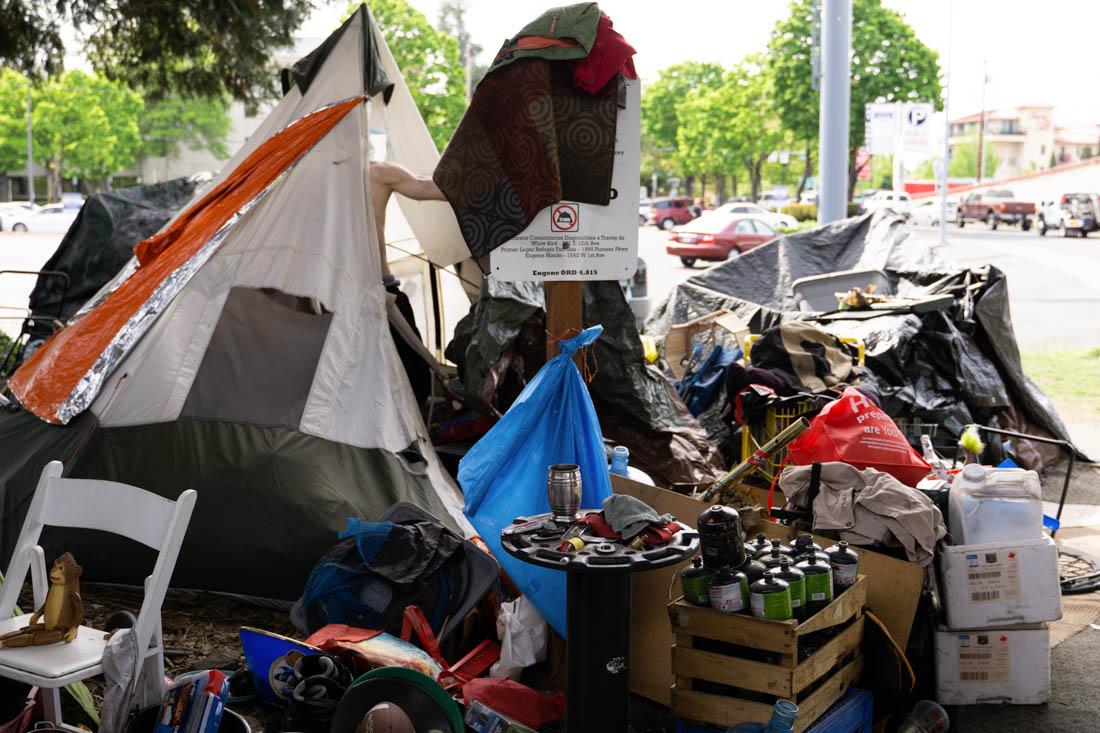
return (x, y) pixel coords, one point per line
(452, 20)
(197, 123)
(13, 111)
(889, 64)
(189, 47)
(430, 61)
(674, 85)
(964, 160)
(84, 126)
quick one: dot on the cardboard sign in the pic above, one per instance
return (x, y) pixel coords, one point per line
(576, 241)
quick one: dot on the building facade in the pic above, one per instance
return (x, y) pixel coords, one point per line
(1026, 138)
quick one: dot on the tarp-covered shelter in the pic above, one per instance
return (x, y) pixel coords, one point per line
(950, 366)
(249, 355)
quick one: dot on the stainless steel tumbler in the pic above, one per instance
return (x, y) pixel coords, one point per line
(563, 491)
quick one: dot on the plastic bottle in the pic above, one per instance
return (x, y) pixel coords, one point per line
(994, 505)
(845, 564)
(933, 460)
(720, 537)
(770, 598)
(694, 582)
(782, 720)
(728, 590)
(796, 579)
(819, 584)
(620, 458)
(927, 717)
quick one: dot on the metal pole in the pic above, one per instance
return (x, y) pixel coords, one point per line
(899, 149)
(836, 34)
(981, 126)
(30, 150)
(946, 129)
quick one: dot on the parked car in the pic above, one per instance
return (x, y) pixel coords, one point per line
(718, 236)
(773, 200)
(995, 208)
(896, 201)
(668, 212)
(644, 207)
(1074, 215)
(927, 212)
(636, 290)
(808, 197)
(775, 220)
(54, 218)
(13, 212)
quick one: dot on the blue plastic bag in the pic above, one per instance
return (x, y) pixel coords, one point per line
(504, 475)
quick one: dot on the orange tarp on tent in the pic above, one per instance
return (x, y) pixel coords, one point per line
(47, 379)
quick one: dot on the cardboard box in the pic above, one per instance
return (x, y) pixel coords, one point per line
(893, 591)
(680, 338)
(1000, 583)
(1007, 665)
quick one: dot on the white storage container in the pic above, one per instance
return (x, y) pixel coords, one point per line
(993, 666)
(1000, 583)
(994, 504)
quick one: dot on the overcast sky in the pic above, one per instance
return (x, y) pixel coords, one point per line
(1038, 52)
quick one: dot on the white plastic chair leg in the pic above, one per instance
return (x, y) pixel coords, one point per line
(51, 703)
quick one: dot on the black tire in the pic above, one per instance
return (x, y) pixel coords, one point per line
(1025, 225)
(687, 261)
(19, 227)
(667, 223)
(991, 220)
(1041, 227)
(1065, 232)
(641, 220)
(960, 222)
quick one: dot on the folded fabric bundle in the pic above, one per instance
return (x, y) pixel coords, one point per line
(868, 507)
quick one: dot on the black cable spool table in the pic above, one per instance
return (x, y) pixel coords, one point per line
(597, 612)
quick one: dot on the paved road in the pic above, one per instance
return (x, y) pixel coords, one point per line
(1054, 283)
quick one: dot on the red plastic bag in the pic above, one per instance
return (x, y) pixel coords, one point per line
(854, 430)
(515, 700)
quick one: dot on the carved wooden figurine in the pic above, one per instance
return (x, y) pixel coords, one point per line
(61, 615)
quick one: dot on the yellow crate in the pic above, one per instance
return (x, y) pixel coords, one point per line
(778, 419)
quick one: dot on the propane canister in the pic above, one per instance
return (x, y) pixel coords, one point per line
(770, 598)
(694, 582)
(720, 537)
(796, 579)
(819, 584)
(728, 590)
(845, 564)
(772, 557)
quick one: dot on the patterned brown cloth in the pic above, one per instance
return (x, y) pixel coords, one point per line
(530, 138)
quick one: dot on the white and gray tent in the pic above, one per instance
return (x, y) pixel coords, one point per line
(261, 370)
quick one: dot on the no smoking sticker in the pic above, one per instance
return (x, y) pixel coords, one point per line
(565, 218)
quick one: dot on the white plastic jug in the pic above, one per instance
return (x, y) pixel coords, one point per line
(994, 505)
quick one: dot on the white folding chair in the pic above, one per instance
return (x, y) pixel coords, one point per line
(89, 504)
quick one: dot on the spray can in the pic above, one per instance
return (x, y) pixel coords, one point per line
(796, 579)
(770, 598)
(845, 564)
(803, 547)
(728, 590)
(694, 581)
(720, 537)
(819, 584)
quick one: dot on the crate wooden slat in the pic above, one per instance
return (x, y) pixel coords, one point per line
(813, 683)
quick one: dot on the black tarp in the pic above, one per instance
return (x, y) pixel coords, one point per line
(100, 242)
(949, 367)
(501, 343)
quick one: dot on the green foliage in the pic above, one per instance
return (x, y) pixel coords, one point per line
(189, 47)
(889, 63)
(429, 59)
(676, 85)
(13, 110)
(926, 170)
(175, 120)
(452, 20)
(85, 126)
(802, 212)
(964, 159)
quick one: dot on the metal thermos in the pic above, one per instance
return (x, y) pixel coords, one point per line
(563, 491)
(720, 537)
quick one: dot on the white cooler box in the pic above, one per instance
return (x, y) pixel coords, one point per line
(993, 666)
(1000, 583)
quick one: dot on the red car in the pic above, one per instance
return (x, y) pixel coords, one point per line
(713, 237)
(667, 213)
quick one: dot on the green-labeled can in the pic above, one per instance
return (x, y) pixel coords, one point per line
(694, 581)
(796, 579)
(770, 598)
(819, 584)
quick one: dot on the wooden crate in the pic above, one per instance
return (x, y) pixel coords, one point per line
(812, 683)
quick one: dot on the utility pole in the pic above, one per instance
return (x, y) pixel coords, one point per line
(30, 150)
(981, 125)
(946, 161)
(836, 42)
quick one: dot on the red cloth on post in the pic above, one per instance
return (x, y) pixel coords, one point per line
(610, 53)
